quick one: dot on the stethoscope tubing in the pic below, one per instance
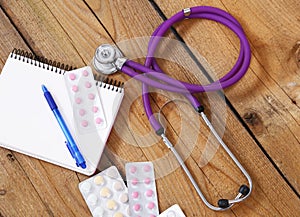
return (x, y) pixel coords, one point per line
(154, 73)
(150, 74)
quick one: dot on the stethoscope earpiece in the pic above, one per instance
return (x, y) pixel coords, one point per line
(223, 203)
(244, 190)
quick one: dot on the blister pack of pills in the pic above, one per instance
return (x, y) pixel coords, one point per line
(106, 194)
(141, 189)
(87, 108)
(173, 211)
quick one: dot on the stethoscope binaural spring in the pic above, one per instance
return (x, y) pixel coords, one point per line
(108, 59)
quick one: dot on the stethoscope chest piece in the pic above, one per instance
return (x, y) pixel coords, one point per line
(108, 59)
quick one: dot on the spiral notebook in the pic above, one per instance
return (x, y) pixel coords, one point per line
(26, 126)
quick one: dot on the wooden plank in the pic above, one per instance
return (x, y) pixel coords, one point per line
(47, 190)
(276, 39)
(268, 110)
(36, 181)
(38, 26)
(262, 178)
(262, 202)
(15, 184)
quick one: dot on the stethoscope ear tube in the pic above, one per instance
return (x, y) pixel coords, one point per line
(223, 204)
(244, 190)
(150, 74)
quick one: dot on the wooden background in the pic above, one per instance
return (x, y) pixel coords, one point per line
(262, 110)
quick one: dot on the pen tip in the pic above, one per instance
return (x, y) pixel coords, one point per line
(83, 165)
(44, 88)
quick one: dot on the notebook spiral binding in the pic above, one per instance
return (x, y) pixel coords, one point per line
(110, 84)
(60, 68)
(40, 61)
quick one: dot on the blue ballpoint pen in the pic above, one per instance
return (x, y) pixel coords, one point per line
(73, 149)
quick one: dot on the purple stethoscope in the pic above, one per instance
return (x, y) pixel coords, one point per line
(108, 59)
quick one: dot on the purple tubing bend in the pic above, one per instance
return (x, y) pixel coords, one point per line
(150, 73)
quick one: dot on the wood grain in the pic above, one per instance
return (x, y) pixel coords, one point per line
(70, 32)
(278, 120)
(33, 176)
(139, 31)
